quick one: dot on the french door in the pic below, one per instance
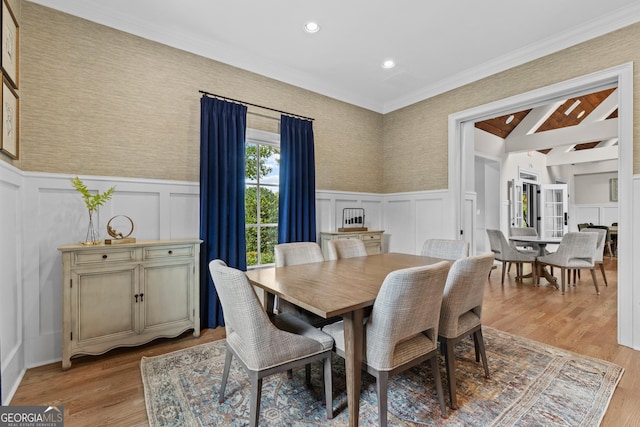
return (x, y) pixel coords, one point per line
(554, 202)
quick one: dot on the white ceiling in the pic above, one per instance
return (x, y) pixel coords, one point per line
(437, 46)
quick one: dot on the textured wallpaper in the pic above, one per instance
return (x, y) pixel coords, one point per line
(103, 102)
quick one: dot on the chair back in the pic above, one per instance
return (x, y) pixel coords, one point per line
(602, 236)
(407, 304)
(463, 293)
(297, 253)
(445, 249)
(577, 249)
(523, 231)
(497, 242)
(345, 248)
(245, 319)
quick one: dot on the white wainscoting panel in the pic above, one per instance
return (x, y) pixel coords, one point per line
(329, 206)
(11, 266)
(597, 214)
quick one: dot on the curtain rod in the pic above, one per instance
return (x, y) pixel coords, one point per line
(226, 98)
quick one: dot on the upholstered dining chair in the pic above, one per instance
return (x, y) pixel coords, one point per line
(445, 249)
(602, 237)
(293, 254)
(461, 313)
(506, 253)
(402, 330)
(576, 251)
(264, 348)
(345, 248)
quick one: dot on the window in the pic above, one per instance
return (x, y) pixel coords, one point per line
(261, 196)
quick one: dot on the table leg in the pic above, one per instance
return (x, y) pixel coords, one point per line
(353, 339)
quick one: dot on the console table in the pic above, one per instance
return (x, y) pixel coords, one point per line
(127, 294)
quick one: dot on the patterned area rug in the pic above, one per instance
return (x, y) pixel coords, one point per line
(531, 384)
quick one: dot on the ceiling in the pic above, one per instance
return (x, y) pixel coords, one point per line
(563, 130)
(437, 46)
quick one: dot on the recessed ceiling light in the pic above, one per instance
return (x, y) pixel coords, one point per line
(510, 119)
(388, 63)
(311, 27)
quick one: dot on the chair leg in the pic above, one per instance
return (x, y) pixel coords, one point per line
(256, 395)
(479, 340)
(534, 273)
(225, 375)
(289, 373)
(563, 278)
(450, 363)
(595, 281)
(504, 271)
(381, 390)
(604, 276)
(328, 387)
(435, 368)
(307, 374)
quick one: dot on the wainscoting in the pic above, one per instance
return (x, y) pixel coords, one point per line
(39, 212)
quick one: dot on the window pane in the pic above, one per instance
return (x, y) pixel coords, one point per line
(251, 204)
(270, 169)
(251, 163)
(268, 205)
(268, 239)
(252, 246)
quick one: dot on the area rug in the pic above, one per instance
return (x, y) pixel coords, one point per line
(531, 384)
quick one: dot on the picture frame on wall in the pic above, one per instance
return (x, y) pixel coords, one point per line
(10, 40)
(10, 120)
(613, 189)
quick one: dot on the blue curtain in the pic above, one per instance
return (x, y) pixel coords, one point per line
(222, 218)
(297, 201)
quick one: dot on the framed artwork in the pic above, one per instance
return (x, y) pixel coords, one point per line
(613, 189)
(9, 125)
(9, 44)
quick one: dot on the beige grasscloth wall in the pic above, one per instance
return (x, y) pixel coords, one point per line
(415, 137)
(98, 101)
(103, 102)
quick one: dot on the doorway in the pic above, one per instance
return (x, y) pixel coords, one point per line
(459, 146)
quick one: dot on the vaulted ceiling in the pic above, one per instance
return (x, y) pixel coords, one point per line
(563, 130)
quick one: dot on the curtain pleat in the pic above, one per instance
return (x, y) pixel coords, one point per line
(297, 201)
(222, 184)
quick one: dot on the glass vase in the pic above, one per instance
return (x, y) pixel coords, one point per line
(92, 232)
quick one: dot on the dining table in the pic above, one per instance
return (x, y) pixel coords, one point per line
(540, 244)
(345, 287)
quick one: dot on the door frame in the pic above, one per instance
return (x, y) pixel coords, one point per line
(622, 76)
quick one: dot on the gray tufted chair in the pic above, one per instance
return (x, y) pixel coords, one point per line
(445, 249)
(506, 253)
(461, 313)
(577, 250)
(345, 248)
(402, 330)
(264, 348)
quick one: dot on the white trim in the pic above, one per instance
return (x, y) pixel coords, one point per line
(622, 75)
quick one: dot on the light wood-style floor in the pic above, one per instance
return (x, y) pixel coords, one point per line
(107, 390)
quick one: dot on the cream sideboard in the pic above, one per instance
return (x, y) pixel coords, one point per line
(372, 239)
(128, 294)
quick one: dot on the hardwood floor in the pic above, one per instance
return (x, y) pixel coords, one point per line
(107, 389)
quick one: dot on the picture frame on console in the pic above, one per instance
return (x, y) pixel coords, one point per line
(9, 125)
(10, 40)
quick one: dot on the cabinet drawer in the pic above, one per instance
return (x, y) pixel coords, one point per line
(349, 236)
(369, 237)
(107, 256)
(157, 252)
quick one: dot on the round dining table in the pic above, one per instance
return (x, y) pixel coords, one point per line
(540, 243)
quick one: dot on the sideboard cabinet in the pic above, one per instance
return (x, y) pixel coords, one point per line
(127, 294)
(372, 240)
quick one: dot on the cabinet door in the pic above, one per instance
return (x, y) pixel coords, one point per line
(167, 296)
(103, 308)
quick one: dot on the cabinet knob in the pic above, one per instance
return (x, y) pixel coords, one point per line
(170, 252)
(104, 256)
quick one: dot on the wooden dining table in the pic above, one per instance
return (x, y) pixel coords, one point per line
(540, 243)
(346, 288)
